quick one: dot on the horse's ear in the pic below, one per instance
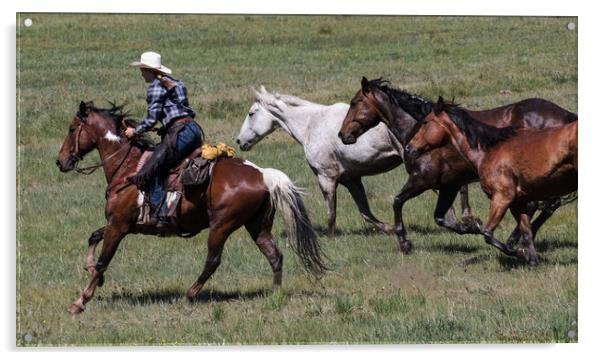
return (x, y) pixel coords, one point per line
(439, 106)
(83, 111)
(262, 89)
(365, 87)
(257, 94)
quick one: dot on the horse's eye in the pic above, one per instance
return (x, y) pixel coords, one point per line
(251, 113)
(71, 130)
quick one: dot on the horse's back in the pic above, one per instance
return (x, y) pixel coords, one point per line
(236, 185)
(543, 162)
(534, 113)
(326, 153)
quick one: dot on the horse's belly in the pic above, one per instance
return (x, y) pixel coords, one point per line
(370, 167)
(561, 182)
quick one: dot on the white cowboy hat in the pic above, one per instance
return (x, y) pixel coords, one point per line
(151, 60)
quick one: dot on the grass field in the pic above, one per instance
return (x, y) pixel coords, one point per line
(450, 289)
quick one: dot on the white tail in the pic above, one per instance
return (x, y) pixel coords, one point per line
(286, 197)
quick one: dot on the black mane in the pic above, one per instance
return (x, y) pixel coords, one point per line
(414, 105)
(477, 133)
(120, 117)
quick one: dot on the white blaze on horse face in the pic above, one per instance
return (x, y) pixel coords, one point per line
(112, 137)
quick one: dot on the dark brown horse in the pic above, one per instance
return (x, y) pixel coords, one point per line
(442, 168)
(240, 194)
(515, 166)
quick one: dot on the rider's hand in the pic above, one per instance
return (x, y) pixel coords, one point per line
(167, 82)
(130, 132)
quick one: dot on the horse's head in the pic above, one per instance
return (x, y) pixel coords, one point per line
(432, 134)
(366, 110)
(260, 120)
(91, 128)
(79, 140)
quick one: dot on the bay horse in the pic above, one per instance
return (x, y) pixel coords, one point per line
(239, 194)
(515, 165)
(442, 168)
(315, 126)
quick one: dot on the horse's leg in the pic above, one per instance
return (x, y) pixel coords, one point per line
(356, 188)
(112, 237)
(450, 215)
(215, 245)
(467, 216)
(412, 188)
(444, 204)
(93, 241)
(329, 191)
(260, 230)
(523, 219)
(514, 237)
(497, 209)
(549, 208)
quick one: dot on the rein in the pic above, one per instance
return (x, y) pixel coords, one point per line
(90, 169)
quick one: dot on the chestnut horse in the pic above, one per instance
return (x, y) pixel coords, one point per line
(515, 165)
(239, 194)
(442, 168)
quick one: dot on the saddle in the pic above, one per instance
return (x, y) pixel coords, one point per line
(194, 171)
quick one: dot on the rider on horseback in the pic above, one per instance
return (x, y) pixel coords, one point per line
(180, 135)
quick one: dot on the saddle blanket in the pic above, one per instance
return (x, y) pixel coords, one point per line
(174, 186)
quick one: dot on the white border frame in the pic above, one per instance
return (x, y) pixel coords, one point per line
(589, 247)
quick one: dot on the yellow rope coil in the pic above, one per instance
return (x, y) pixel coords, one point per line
(210, 152)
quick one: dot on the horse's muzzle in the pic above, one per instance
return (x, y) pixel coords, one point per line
(411, 151)
(347, 140)
(245, 146)
(68, 165)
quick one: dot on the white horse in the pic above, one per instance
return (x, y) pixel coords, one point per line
(315, 127)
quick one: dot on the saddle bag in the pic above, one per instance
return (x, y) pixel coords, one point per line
(196, 172)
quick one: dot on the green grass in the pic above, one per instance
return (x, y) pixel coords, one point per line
(450, 289)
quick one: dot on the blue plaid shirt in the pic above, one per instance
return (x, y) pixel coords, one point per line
(165, 105)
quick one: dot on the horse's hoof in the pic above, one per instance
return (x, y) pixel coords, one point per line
(101, 280)
(75, 309)
(478, 224)
(534, 261)
(406, 247)
(522, 253)
(190, 295)
(388, 229)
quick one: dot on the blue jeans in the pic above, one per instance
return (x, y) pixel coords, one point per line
(189, 138)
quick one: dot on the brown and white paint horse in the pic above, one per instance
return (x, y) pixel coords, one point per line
(240, 194)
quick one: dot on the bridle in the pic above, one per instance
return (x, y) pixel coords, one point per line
(90, 169)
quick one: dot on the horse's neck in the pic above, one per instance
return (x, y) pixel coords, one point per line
(460, 142)
(117, 158)
(298, 121)
(401, 125)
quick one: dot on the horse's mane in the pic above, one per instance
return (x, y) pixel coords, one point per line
(120, 117)
(476, 132)
(290, 100)
(414, 105)
(295, 101)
